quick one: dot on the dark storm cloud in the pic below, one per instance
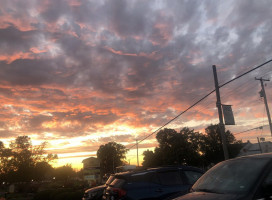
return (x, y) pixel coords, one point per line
(26, 72)
(54, 10)
(78, 122)
(128, 18)
(13, 40)
(36, 121)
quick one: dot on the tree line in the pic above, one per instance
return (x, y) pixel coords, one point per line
(186, 147)
(23, 162)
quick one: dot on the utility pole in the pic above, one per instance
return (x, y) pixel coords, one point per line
(265, 102)
(137, 153)
(259, 145)
(221, 123)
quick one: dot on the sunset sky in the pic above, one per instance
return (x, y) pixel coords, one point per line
(79, 74)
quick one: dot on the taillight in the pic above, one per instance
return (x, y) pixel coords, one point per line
(119, 191)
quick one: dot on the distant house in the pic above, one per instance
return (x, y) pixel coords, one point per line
(91, 170)
(256, 148)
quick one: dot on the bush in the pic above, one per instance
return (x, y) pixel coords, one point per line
(59, 194)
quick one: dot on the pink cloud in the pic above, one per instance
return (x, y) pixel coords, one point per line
(19, 55)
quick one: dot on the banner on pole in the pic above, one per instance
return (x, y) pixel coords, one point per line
(228, 115)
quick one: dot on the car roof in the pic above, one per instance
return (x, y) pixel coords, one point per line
(158, 169)
(183, 167)
(253, 156)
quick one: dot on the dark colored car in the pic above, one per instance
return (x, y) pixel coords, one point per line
(96, 193)
(243, 178)
(155, 183)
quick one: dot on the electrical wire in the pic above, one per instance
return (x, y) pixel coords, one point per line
(199, 102)
(266, 73)
(259, 127)
(248, 88)
(243, 86)
(245, 73)
(245, 83)
(174, 118)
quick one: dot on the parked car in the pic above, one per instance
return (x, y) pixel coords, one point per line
(155, 183)
(243, 178)
(96, 193)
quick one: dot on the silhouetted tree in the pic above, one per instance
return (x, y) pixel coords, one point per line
(190, 148)
(111, 155)
(212, 146)
(64, 173)
(149, 159)
(175, 148)
(19, 161)
(43, 171)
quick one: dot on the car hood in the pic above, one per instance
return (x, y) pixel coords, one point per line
(207, 196)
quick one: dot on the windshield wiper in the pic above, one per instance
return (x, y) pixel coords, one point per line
(208, 190)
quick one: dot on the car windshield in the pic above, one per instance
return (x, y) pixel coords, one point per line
(232, 177)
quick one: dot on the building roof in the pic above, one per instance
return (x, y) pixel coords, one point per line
(256, 148)
(91, 162)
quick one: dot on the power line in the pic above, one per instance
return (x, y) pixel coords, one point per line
(259, 127)
(245, 73)
(228, 93)
(244, 68)
(200, 101)
(266, 73)
(245, 83)
(174, 118)
(248, 87)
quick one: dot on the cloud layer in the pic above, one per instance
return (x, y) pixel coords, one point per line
(117, 70)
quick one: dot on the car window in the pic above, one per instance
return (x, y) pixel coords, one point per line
(169, 178)
(192, 176)
(140, 177)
